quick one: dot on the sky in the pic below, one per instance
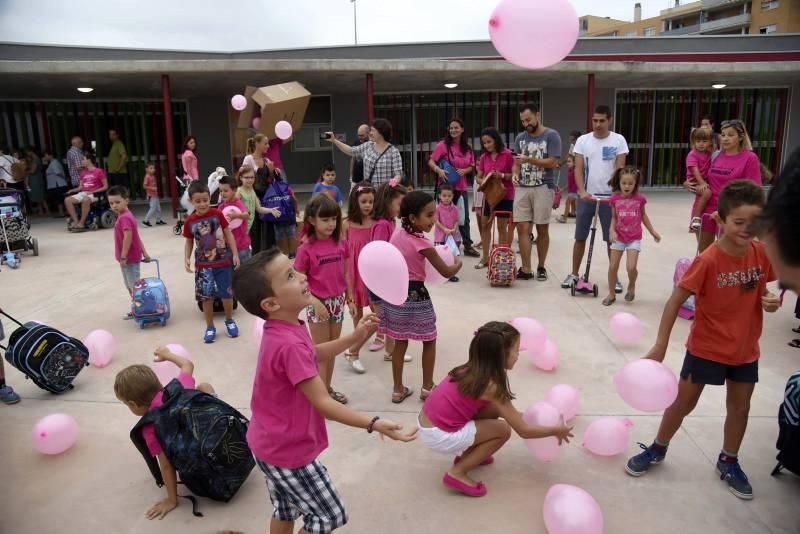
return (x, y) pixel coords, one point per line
(242, 25)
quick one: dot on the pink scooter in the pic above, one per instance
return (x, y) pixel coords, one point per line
(583, 285)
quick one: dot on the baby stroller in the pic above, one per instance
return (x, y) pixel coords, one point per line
(186, 207)
(100, 213)
(15, 228)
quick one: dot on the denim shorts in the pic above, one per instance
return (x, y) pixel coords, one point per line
(214, 282)
(633, 245)
(285, 230)
(245, 255)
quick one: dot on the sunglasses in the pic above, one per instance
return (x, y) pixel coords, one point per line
(736, 123)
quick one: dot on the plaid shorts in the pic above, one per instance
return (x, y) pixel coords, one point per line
(306, 491)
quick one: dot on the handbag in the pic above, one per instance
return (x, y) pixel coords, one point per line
(493, 191)
(452, 173)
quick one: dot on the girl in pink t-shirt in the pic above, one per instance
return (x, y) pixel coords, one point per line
(446, 218)
(698, 163)
(387, 209)
(627, 217)
(322, 257)
(151, 190)
(414, 319)
(470, 414)
(189, 158)
(357, 229)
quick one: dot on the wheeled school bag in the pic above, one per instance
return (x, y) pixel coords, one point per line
(150, 300)
(788, 443)
(502, 268)
(203, 438)
(45, 355)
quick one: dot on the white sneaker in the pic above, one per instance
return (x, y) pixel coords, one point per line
(358, 367)
(407, 358)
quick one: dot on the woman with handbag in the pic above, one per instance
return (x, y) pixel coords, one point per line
(494, 176)
(453, 160)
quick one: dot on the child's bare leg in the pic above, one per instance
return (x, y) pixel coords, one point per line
(334, 331)
(572, 203)
(702, 201)
(208, 312)
(631, 261)
(227, 305)
(205, 387)
(614, 259)
(737, 403)
(688, 395)
(398, 353)
(428, 363)
(490, 436)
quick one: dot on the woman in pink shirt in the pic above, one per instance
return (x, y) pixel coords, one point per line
(455, 150)
(496, 162)
(735, 161)
(189, 158)
(323, 259)
(415, 318)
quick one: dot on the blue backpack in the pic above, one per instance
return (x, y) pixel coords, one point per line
(204, 439)
(278, 196)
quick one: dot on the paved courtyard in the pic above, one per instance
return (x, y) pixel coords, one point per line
(101, 484)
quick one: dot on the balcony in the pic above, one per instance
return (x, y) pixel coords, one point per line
(686, 30)
(707, 5)
(728, 22)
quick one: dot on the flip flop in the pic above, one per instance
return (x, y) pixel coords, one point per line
(466, 489)
(629, 296)
(397, 398)
(609, 301)
(794, 343)
(489, 460)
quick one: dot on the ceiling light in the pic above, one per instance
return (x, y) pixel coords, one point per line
(85, 89)
(719, 85)
(451, 85)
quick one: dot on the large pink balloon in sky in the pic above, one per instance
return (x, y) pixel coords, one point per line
(534, 34)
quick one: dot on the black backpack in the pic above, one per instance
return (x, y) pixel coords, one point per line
(788, 443)
(204, 439)
(45, 355)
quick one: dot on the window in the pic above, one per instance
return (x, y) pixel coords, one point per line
(630, 34)
(649, 32)
(585, 25)
(764, 30)
(767, 5)
(309, 138)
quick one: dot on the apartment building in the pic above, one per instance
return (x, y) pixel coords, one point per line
(702, 17)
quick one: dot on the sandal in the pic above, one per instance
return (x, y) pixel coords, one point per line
(397, 398)
(481, 264)
(425, 393)
(794, 343)
(561, 219)
(473, 491)
(337, 396)
(608, 301)
(796, 330)
(629, 296)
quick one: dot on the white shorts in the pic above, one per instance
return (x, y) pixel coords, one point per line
(453, 443)
(81, 195)
(633, 245)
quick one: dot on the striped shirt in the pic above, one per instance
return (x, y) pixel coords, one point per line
(74, 163)
(791, 400)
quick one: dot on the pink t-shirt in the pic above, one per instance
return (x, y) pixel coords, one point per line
(701, 160)
(382, 230)
(725, 168)
(285, 429)
(629, 216)
(323, 262)
(572, 185)
(273, 152)
(149, 431)
(448, 216)
(150, 182)
(456, 158)
(126, 221)
(240, 234)
(189, 162)
(504, 163)
(410, 246)
(92, 180)
(448, 409)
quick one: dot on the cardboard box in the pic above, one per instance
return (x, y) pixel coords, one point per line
(244, 118)
(282, 102)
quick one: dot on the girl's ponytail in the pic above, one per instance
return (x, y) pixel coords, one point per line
(251, 145)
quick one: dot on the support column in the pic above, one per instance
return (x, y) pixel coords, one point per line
(169, 134)
(370, 99)
(590, 103)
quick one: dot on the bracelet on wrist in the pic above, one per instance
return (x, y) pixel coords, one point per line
(371, 425)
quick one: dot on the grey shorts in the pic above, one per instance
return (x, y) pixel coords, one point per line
(130, 274)
(584, 216)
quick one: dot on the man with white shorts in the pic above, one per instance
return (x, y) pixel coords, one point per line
(597, 155)
(537, 151)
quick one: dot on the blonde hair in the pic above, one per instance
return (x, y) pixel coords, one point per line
(700, 134)
(741, 129)
(251, 142)
(137, 383)
(244, 169)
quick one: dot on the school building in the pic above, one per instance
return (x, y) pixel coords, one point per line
(658, 88)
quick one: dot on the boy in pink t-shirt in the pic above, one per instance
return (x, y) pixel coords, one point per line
(137, 386)
(227, 190)
(290, 401)
(129, 250)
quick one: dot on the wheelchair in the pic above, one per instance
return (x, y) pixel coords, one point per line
(100, 213)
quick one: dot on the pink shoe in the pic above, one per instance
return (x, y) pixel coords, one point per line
(489, 460)
(377, 345)
(473, 491)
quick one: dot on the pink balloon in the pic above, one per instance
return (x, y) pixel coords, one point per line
(257, 123)
(55, 433)
(258, 330)
(231, 211)
(608, 436)
(384, 271)
(101, 345)
(547, 358)
(571, 510)
(239, 102)
(554, 22)
(565, 398)
(432, 276)
(545, 414)
(283, 130)
(646, 385)
(166, 371)
(626, 328)
(532, 334)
